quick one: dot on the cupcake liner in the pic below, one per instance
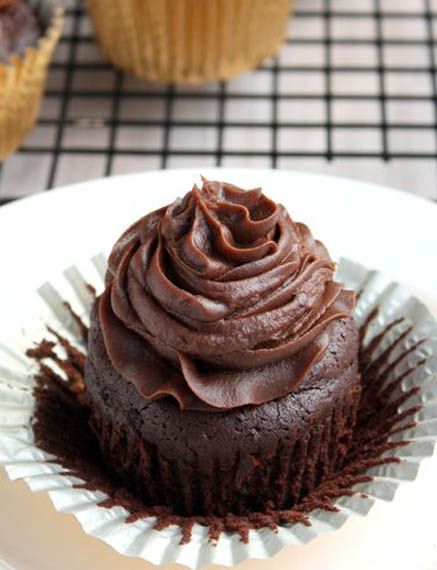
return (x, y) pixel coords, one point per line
(189, 41)
(22, 80)
(23, 460)
(175, 483)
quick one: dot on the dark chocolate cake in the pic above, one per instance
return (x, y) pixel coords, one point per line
(19, 28)
(222, 370)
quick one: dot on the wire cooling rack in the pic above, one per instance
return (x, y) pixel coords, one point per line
(353, 91)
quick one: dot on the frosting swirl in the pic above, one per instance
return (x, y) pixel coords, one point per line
(19, 28)
(219, 300)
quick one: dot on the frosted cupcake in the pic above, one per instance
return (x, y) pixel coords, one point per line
(222, 371)
(29, 32)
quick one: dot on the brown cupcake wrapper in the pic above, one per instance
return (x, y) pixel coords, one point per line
(22, 82)
(189, 41)
(291, 469)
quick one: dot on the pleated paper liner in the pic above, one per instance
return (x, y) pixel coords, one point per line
(22, 80)
(400, 332)
(189, 41)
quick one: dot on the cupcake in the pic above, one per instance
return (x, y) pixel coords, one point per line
(222, 370)
(29, 32)
(189, 41)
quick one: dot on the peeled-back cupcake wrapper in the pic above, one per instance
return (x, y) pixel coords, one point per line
(23, 460)
(22, 80)
(189, 41)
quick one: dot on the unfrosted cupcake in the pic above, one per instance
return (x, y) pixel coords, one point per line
(29, 32)
(222, 369)
(189, 41)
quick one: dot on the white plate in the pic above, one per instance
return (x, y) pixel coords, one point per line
(378, 227)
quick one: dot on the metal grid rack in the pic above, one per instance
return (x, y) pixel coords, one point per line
(355, 85)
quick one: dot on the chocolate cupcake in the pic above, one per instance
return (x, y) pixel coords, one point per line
(222, 370)
(29, 32)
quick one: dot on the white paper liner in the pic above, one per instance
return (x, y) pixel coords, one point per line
(22, 460)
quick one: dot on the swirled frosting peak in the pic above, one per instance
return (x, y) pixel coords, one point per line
(219, 300)
(19, 28)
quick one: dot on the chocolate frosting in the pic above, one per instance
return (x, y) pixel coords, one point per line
(19, 28)
(219, 300)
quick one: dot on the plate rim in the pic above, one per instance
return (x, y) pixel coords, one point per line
(102, 181)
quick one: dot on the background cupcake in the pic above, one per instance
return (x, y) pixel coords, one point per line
(29, 32)
(189, 41)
